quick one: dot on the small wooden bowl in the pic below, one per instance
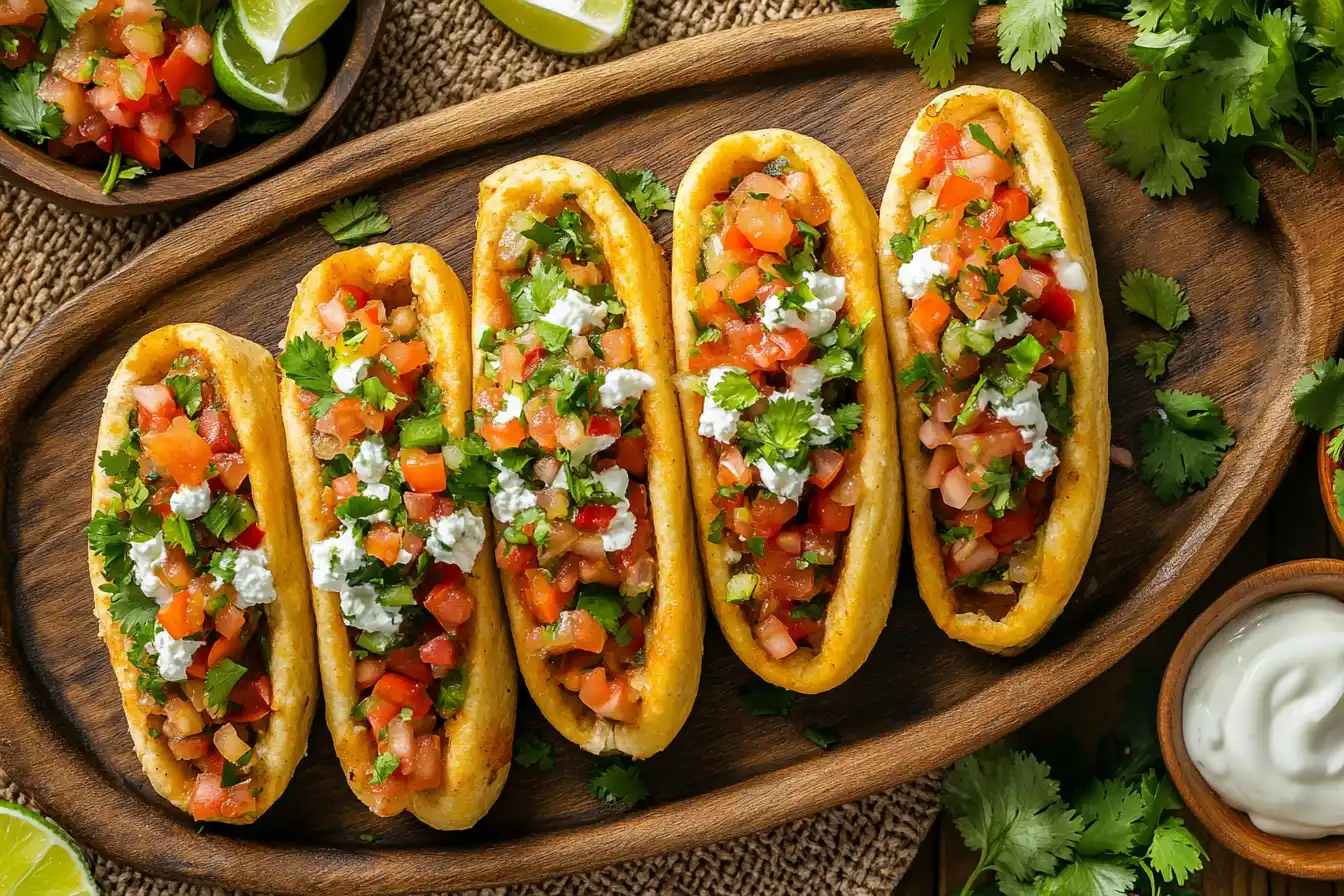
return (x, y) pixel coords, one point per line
(74, 187)
(1320, 859)
(1325, 473)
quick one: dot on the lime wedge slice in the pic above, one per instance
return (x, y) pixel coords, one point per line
(280, 28)
(571, 27)
(288, 86)
(38, 859)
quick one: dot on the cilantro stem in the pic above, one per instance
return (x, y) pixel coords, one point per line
(980, 868)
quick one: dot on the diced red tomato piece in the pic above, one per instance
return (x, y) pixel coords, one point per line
(1015, 525)
(612, 699)
(618, 347)
(604, 425)
(441, 650)
(768, 515)
(426, 771)
(404, 692)
(251, 537)
(450, 603)
(179, 452)
(503, 435)
(368, 671)
(252, 695)
(215, 427)
(632, 454)
(424, 470)
(826, 466)
(766, 224)
(383, 542)
(229, 621)
(827, 514)
(515, 558)
(544, 600)
(406, 661)
(406, 356)
(1014, 202)
(594, 517)
(1057, 304)
(941, 140)
(141, 147)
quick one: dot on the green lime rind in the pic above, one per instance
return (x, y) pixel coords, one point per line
(38, 857)
(278, 29)
(567, 27)
(288, 86)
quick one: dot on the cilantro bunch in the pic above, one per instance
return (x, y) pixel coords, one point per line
(1218, 78)
(1318, 403)
(1117, 836)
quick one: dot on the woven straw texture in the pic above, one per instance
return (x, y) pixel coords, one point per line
(435, 53)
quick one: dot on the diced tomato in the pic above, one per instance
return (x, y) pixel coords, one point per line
(144, 149)
(190, 748)
(711, 307)
(426, 771)
(532, 360)
(768, 515)
(576, 630)
(766, 224)
(406, 356)
(179, 618)
(383, 542)
(180, 72)
(992, 222)
(930, 313)
(640, 543)
(252, 695)
(251, 537)
(802, 629)
(207, 796)
(827, 514)
(406, 661)
(791, 342)
(419, 507)
(638, 498)
(503, 435)
(544, 601)
(611, 699)
(379, 712)
(594, 517)
(618, 347)
(978, 521)
(632, 454)
(743, 287)
(1014, 202)
(441, 650)
(515, 558)
(367, 672)
(1015, 525)
(774, 637)
(424, 470)
(229, 621)
(941, 140)
(215, 427)
(405, 692)
(224, 649)
(958, 190)
(732, 238)
(604, 425)
(199, 663)
(1057, 304)
(179, 452)
(450, 604)
(1010, 269)
(826, 466)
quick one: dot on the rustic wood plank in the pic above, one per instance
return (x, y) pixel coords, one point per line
(919, 702)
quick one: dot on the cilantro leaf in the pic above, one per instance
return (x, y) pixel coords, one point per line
(1152, 355)
(642, 189)
(191, 12)
(1037, 237)
(619, 781)
(1090, 877)
(735, 391)
(1160, 299)
(1133, 121)
(1022, 358)
(132, 610)
(187, 391)
(118, 170)
(904, 245)
(1318, 397)
(22, 112)
(764, 699)
(383, 767)
(531, 750)
(1219, 95)
(847, 419)
(219, 682)
(1009, 810)
(1182, 444)
(352, 222)
(1112, 810)
(936, 34)
(780, 430)
(924, 376)
(1175, 853)
(822, 736)
(604, 605)
(67, 12)
(308, 363)
(1030, 31)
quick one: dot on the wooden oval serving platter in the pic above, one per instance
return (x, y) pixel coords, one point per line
(1263, 302)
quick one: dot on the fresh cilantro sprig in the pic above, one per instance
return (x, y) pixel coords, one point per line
(351, 222)
(618, 780)
(1318, 401)
(642, 189)
(1009, 809)
(1182, 443)
(118, 170)
(22, 111)
(1162, 300)
(220, 680)
(531, 750)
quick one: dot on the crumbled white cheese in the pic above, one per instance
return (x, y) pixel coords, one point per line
(621, 530)
(782, 480)
(360, 607)
(403, 557)
(917, 273)
(335, 558)
(1041, 458)
(561, 480)
(370, 461)
(591, 445)
(575, 313)
(623, 384)
(191, 501)
(511, 410)
(717, 422)
(347, 377)
(805, 385)
(732, 556)
(512, 496)
(818, 314)
(1068, 272)
(148, 558)
(457, 539)
(1009, 325)
(174, 656)
(252, 579)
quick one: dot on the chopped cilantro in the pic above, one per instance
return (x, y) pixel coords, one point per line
(618, 780)
(642, 189)
(219, 683)
(352, 222)
(1160, 299)
(531, 750)
(1182, 444)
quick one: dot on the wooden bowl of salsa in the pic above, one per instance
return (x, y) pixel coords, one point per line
(349, 45)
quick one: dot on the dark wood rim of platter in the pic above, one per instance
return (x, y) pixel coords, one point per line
(1321, 859)
(93, 807)
(75, 187)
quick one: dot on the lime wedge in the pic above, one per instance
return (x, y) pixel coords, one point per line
(280, 28)
(571, 27)
(38, 859)
(288, 86)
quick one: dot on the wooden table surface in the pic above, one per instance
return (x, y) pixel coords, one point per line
(1292, 527)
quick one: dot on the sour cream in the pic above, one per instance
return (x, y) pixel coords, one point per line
(1264, 715)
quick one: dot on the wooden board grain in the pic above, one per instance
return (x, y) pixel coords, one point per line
(920, 701)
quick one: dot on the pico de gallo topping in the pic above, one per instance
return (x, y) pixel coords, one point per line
(95, 81)
(781, 361)
(403, 537)
(558, 405)
(188, 577)
(989, 280)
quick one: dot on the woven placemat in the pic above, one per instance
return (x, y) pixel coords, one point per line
(436, 53)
